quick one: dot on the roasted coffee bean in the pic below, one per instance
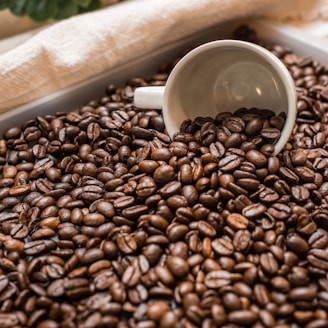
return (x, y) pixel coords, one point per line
(249, 184)
(237, 221)
(242, 317)
(253, 127)
(268, 196)
(206, 229)
(229, 163)
(126, 243)
(254, 211)
(268, 263)
(297, 244)
(170, 189)
(146, 187)
(256, 157)
(223, 246)
(217, 279)
(106, 221)
(288, 175)
(234, 124)
(270, 133)
(319, 239)
(178, 266)
(34, 247)
(302, 294)
(318, 258)
(242, 241)
(76, 288)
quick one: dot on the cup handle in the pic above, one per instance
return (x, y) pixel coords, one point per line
(149, 97)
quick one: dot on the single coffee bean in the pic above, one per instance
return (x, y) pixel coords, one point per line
(234, 124)
(319, 239)
(126, 243)
(302, 294)
(229, 163)
(270, 133)
(254, 211)
(297, 244)
(237, 221)
(34, 247)
(268, 263)
(242, 317)
(131, 276)
(217, 279)
(318, 258)
(257, 158)
(178, 266)
(223, 246)
(249, 184)
(242, 241)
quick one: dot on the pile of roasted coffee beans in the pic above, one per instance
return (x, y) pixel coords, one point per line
(106, 222)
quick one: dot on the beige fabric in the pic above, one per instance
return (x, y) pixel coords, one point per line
(11, 25)
(300, 10)
(78, 48)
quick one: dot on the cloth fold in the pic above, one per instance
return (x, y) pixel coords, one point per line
(73, 50)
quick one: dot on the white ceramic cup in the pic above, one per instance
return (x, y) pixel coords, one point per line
(223, 76)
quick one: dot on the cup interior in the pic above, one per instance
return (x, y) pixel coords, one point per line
(226, 75)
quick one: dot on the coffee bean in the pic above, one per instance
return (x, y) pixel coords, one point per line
(268, 196)
(229, 163)
(76, 288)
(217, 279)
(234, 124)
(161, 154)
(256, 157)
(91, 255)
(178, 149)
(268, 263)
(249, 184)
(8, 320)
(297, 244)
(164, 275)
(43, 233)
(242, 317)
(148, 166)
(131, 276)
(237, 221)
(288, 175)
(262, 294)
(126, 243)
(242, 241)
(302, 294)
(270, 133)
(206, 229)
(318, 258)
(105, 208)
(19, 231)
(34, 247)
(253, 127)
(254, 211)
(135, 211)
(4, 281)
(178, 266)
(171, 188)
(223, 246)
(319, 239)
(233, 141)
(146, 187)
